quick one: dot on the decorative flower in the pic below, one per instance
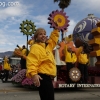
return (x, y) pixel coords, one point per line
(75, 74)
(27, 81)
(19, 76)
(60, 18)
(94, 71)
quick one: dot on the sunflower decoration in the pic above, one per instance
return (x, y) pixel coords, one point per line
(60, 18)
(75, 74)
(27, 27)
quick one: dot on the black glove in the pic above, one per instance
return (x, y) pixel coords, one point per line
(17, 45)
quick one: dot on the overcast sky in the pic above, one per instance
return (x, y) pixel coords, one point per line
(38, 12)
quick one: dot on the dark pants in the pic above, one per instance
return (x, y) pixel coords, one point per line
(69, 66)
(0, 74)
(23, 63)
(46, 90)
(84, 72)
(6, 72)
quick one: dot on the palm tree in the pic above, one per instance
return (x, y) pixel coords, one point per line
(63, 3)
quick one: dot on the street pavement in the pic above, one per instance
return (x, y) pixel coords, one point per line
(9, 91)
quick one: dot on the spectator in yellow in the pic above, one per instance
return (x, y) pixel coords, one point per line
(70, 59)
(7, 68)
(41, 65)
(82, 65)
(23, 56)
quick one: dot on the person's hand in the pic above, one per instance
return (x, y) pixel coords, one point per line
(36, 80)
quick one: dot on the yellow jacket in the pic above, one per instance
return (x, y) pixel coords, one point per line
(6, 65)
(71, 58)
(40, 58)
(82, 58)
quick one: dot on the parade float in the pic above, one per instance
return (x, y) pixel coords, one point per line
(86, 34)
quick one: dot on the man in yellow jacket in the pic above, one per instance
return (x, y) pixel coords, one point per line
(7, 68)
(82, 65)
(41, 65)
(70, 59)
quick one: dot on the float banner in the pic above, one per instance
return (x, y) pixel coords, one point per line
(78, 85)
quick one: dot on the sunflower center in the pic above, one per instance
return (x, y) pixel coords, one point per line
(59, 20)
